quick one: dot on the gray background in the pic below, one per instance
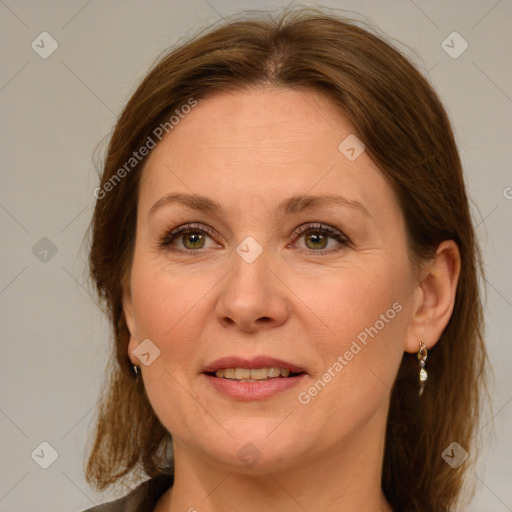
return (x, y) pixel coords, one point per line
(55, 112)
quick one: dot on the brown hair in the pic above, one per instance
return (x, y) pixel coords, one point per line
(405, 129)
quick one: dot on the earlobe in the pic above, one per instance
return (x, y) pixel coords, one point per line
(435, 297)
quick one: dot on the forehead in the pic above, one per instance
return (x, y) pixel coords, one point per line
(267, 123)
(258, 144)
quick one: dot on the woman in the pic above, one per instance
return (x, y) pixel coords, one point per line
(283, 243)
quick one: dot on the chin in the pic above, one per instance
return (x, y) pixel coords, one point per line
(245, 450)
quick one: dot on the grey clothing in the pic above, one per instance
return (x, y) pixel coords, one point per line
(142, 499)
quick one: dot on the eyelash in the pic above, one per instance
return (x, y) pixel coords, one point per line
(165, 241)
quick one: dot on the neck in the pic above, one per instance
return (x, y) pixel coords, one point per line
(346, 479)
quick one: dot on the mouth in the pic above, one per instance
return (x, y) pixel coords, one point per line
(253, 379)
(253, 374)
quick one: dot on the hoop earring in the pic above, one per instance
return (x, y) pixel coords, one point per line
(422, 359)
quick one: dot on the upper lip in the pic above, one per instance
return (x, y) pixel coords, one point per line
(253, 363)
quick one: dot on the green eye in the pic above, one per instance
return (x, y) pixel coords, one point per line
(196, 240)
(319, 241)
(192, 237)
(317, 235)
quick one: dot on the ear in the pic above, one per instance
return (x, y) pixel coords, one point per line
(130, 322)
(434, 297)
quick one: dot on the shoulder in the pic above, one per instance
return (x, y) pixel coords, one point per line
(141, 499)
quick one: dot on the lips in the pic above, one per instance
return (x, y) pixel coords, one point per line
(258, 378)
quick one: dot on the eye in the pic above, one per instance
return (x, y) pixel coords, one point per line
(192, 237)
(316, 238)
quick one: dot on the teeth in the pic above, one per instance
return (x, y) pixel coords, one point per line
(259, 374)
(252, 374)
(230, 373)
(242, 373)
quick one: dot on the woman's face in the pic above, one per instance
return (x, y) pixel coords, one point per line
(295, 257)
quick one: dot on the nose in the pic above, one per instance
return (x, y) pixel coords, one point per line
(253, 296)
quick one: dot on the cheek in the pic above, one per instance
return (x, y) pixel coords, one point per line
(164, 302)
(348, 301)
(168, 310)
(364, 316)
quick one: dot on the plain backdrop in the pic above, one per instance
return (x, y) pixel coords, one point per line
(54, 113)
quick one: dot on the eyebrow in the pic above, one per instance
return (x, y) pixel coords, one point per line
(289, 206)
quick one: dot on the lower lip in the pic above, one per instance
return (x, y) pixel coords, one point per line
(254, 390)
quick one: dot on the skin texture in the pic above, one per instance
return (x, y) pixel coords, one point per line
(248, 151)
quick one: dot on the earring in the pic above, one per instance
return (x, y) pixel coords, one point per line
(136, 370)
(422, 359)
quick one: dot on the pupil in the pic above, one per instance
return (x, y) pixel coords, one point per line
(317, 238)
(195, 238)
